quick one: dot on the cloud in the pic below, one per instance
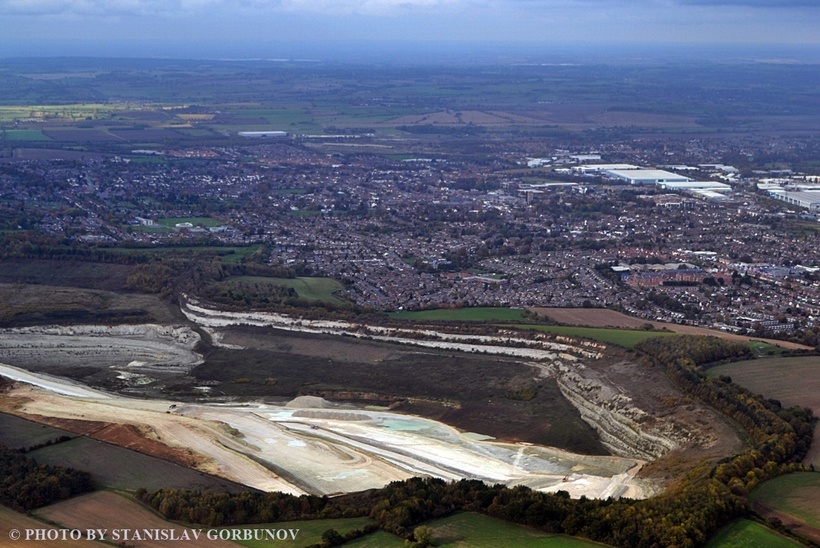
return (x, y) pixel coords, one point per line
(103, 7)
(772, 4)
(365, 6)
(190, 7)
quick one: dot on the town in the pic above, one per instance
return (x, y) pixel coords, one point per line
(690, 240)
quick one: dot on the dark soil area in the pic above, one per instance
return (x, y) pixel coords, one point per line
(68, 273)
(69, 303)
(488, 395)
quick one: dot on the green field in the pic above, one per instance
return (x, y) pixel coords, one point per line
(748, 534)
(760, 348)
(312, 289)
(626, 338)
(379, 539)
(230, 254)
(23, 135)
(478, 314)
(471, 530)
(795, 494)
(310, 531)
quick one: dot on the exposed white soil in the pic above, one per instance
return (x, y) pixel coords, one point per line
(146, 347)
(314, 446)
(326, 449)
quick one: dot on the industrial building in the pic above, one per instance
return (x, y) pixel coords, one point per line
(645, 176)
(598, 169)
(263, 134)
(696, 185)
(809, 199)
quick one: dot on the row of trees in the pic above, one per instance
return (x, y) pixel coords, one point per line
(27, 485)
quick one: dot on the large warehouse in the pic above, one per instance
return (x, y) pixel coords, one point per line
(263, 134)
(810, 199)
(646, 176)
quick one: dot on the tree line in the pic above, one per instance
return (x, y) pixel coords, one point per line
(27, 485)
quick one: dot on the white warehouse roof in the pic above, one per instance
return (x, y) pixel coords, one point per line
(697, 185)
(646, 176)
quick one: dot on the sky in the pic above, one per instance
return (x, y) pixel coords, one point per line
(267, 28)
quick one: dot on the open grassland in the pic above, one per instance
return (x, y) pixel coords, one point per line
(793, 381)
(9, 519)
(108, 510)
(748, 534)
(601, 317)
(625, 338)
(479, 531)
(379, 539)
(794, 494)
(23, 135)
(598, 324)
(310, 531)
(478, 314)
(622, 337)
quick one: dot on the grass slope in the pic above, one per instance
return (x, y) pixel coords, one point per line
(748, 534)
(310, 531)
(626, 338)
(478, 314)
(795, 494)
(479, 531)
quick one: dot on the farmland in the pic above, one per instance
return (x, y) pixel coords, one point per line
(793, 381)
(113, 466)
(744, 533)
(625, 338)
(106, 509)
(477, 314)
(478, 531)
(120, 468)
(9, 519)
(310, 531)
(792, 499)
